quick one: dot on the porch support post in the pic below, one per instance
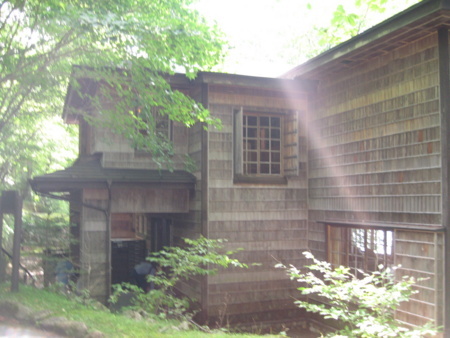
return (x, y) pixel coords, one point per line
(2, 256)
(444, 84)
(11, 203)
(16, 243)
(204, 211)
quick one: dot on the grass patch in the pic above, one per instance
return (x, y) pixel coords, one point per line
(112, 325)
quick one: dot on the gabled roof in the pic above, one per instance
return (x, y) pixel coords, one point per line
(88, 172)
(415, 22)
(78, 97)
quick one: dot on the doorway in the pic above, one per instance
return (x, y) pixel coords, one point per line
(133, 238)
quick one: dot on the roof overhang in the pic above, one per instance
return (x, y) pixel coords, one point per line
(88, 173)
(255, 81)
(415, 22)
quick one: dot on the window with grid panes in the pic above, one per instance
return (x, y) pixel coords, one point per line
(261, 142)
(153, 121)
(156, 121)
(360, 249)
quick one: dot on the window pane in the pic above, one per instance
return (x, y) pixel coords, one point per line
(252, 132)
(265, 156)
(275, 133)
(252, 120)
(264, 133)
(357, 249)
(264, 121)
(252, 169)
(265, 169)
(262, 144)
(275, 122)
(251, 156)
(275, 157)
(275, 145)
(276, 169)
(250, 144)
(363, 250)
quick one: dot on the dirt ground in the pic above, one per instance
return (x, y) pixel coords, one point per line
(12, 328)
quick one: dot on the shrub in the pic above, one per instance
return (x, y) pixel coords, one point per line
(198, 257)
(363, 307)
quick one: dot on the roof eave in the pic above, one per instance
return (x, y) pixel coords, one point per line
(43, 185)
(406, 17)
(255, 81)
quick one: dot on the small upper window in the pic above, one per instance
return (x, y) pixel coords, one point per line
(261, 144)
(360, 249)
(159, 123)
(265, 146)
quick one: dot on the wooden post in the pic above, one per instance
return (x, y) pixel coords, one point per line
(2, 256)
(12, 204)
(16, 243)
(444, 79)
(204, 211)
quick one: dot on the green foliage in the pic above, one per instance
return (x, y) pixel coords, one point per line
(189, 164)
(364, 307)
(40, 41)
(110, 324)
(46, 225)
(71, 292)
(198, 257)
(350, 20)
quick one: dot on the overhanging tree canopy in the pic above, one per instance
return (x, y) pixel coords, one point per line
(41, 39)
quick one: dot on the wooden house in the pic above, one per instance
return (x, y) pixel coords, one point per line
(346, 156)
(249, 187)
(378, 155)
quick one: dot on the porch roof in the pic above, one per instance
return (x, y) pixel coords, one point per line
(88, 172)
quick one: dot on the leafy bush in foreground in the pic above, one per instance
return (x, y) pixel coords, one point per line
(198, 257)
(364, 307)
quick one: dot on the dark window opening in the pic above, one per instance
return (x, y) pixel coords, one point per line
(153, 122)
(160, 233)
(133, 238)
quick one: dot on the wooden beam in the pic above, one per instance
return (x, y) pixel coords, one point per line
(444, 79)
(204, 202)
(11, 203)
(2, 256)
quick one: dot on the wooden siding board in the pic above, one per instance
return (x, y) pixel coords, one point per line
(261, 286)
(150, 200)
(189, 225)
(267, 221)
(253, 308)
(250, 236)
(375, 156)
(256, 225)
(387, 218)
(269, 257)
(254, 296)
(407, 176)
(261, 215)
(444, 69)
(419, 255)
(378, 120)
(94, 242)
(400, 189)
